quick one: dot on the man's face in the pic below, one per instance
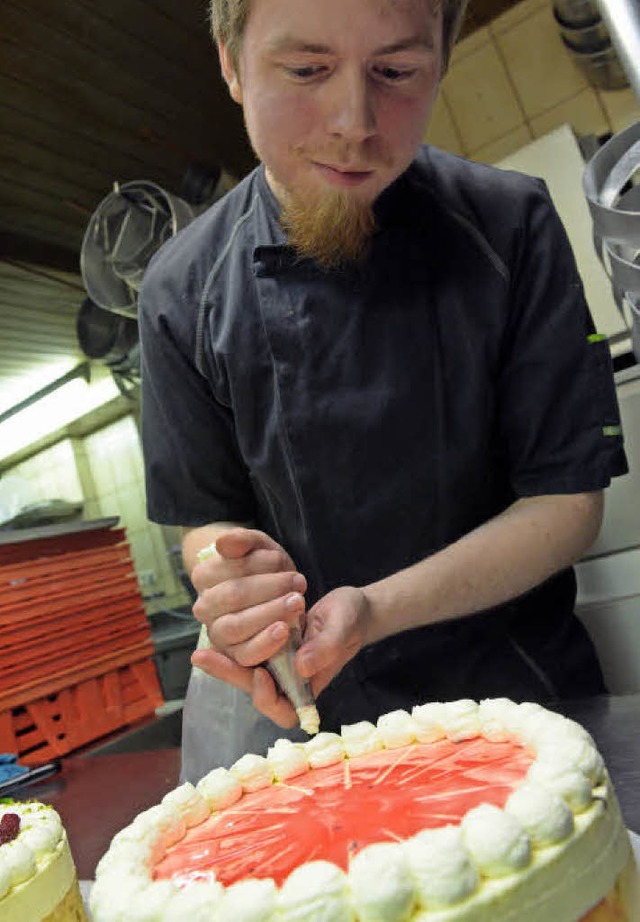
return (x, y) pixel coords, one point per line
(336, 94)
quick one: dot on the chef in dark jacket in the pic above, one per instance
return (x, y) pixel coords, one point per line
(370, 376)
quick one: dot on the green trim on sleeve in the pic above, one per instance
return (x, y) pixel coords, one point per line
(612, 430)
(596, 337)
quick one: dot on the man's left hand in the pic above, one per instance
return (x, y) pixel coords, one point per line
(336, 630)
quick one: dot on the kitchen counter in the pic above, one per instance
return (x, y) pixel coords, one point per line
(614, 723)
(97, 795)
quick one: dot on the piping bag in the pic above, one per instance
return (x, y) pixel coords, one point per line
(281, 667)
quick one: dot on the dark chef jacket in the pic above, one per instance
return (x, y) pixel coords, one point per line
(367, 418)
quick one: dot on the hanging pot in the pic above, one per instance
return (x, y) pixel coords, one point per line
(104, 335)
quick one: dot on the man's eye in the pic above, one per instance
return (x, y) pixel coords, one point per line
(394, 74)
(308, 72)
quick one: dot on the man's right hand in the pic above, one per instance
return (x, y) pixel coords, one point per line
(249, 594)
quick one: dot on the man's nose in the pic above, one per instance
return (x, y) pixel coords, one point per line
(351, 108)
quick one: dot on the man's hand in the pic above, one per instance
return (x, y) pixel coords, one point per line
(337, 628)
(249, 594)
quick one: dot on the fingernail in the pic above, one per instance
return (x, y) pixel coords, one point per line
(298, 582)
(294, 602)
(279, 632)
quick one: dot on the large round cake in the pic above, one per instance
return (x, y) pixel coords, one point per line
(37, 875)
(457, 812)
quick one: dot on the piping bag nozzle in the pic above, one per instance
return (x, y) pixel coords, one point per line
(282, 669)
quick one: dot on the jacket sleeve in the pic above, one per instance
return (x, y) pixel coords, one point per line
(558, 412)
(194, 469)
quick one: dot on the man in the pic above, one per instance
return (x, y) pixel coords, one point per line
(370, 377)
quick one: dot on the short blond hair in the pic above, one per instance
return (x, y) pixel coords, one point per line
(229, 20)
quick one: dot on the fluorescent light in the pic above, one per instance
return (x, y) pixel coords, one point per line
(72, 400)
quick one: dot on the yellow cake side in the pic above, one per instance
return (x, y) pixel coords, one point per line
(71, 909)
(48, 893)
(622, 904)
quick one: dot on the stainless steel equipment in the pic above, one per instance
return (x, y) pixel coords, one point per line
(610, 185)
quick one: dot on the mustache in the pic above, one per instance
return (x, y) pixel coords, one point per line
(347, 155)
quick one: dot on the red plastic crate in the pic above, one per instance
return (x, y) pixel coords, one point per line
(55, 724)
(70, 610)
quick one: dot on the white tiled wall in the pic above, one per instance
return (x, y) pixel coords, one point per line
(514, 81)
(51, 475)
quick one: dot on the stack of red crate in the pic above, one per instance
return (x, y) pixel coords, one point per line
(76, 652)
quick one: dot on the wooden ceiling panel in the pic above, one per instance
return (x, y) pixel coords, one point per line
(27, 159)
(115, 94)
(51, 117)
(116, 111)
(17, 210)
(112, 151)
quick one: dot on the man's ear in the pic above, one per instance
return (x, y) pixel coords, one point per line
(230, 73)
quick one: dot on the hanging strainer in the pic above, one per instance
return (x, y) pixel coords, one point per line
(124, 232)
